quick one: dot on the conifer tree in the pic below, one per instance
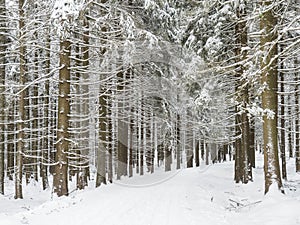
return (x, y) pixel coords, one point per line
(269, 76)
(2, 91)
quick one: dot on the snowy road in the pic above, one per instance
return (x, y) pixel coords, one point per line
(205, 196)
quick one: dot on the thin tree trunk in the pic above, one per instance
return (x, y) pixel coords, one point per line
(297, 124)
(178, 141)
(110, 146)
(206, 153)
(46, 139)
(10, 141)
(202, 149)
(282, 127)
(84, 165)
(131, 130)
(2, 91)
(20, 124)
(35, 115)
(60, 179)
(237, 145)
(189, 150)
(252, 143)
(290, 131)
(140, 151)
(101, 156)
(197, 154)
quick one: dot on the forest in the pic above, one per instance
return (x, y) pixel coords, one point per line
(108, 89)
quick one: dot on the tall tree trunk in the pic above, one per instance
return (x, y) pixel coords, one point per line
(46, 136)
(178, 145)
(202, 144)
(84, 165)
(290, 130)
(282, 126)
(269, 75)
(252, 143)
(131, 133)
(20, 124)
(60, 179)
(297, 120)
(142, 137)
(189, 149)
(168, 157)
(101, 156)
(207, 153)
(2, 91)
(35, 117)
(243, 170)
(109, 139)
(140, 129)
(10, 141)
(122, 144)
(197, 153)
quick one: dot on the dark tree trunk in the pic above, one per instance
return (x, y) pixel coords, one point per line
(168, 157)
(252, 143)
(243, 169)
(21, 119)
(101, 156)
(178, 142)
(297, 116)
(269, 76)
(202, 149)
(197, 154)
(60, 179)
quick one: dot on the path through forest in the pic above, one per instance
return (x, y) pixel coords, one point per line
(205, 195)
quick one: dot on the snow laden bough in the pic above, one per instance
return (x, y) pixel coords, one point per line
(64, 15)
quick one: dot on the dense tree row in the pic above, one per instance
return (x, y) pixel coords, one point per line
(126, 87)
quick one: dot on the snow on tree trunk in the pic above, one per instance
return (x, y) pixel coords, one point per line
(2, 90)
(60, 179)
(20, 125)
(243, 169)
(102, 149)
(269, 73)
(64, 14)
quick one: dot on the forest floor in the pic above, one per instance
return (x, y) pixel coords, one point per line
(206, 195)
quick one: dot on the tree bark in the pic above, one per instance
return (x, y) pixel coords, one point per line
(101, 156)
(243, 169)
(197, 154)
(20, 124)
(60, 179)
(35, 119)
(269, 76)
(282, 126)
(178, 145)
(252, 143)
(46, 139)
(2, 91)
(297, 124)
(84, 108)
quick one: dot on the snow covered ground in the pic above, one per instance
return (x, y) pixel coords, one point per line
(205, 195)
